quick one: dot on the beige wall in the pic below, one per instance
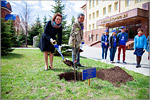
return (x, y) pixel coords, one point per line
(102, 3)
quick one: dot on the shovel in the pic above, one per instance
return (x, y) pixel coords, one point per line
(65, 60)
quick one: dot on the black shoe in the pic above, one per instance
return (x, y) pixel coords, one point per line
(80, 65)
(137, 66)
(50, 68)
(124, 62)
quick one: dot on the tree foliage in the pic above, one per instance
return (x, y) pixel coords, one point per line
(6, 37)
(36, 29)
(25, 15)
(44, 21)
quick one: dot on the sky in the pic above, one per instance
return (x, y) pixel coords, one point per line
(43, 7)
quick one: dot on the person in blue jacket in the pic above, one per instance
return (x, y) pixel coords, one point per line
(52, 28)
(122, 39)
(140, 44)
(148, 47)
(105, 44)
(113, 45)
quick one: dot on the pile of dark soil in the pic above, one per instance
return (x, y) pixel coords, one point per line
(69, 76)
(114, 75)
(68, 62)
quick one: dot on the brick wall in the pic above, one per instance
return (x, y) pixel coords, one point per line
(4, 12)
(94, 39)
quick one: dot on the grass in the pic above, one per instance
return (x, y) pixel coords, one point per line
(23, 77)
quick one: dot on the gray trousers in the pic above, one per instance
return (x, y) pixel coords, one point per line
(77, 55)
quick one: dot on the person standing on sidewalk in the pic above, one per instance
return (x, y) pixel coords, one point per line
(113, 45)
(140, 44)
(122, 39)
(147, 49)
(104, 45)
(77, 31)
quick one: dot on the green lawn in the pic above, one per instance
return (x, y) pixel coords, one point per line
(23, 77)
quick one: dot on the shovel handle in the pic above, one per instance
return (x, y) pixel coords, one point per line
(54, 42)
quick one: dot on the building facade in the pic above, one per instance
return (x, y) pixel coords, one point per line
(112, 14)
(6, 14)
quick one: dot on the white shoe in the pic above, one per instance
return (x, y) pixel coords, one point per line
(102, 60)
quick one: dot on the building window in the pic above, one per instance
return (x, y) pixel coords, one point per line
(116, 6)
(89, 27)
(109, 9)
(96, 2)
(127, 3)
(89, 4)
(97, 13)
(104, 10)
(96, 27)
(93, 15)
(89, 16)
(137, 1)
(93, 3)
(97, 37)
(93, 26)
(92, 37)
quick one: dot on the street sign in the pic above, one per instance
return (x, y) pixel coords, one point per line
(88, 73)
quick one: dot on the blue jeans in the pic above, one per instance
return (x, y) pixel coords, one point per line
(104, 51)
(112, 53)
(77, 56)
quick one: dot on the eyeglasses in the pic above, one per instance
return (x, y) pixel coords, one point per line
(58, 19)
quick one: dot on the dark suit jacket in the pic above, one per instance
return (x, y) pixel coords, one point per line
(111, 41)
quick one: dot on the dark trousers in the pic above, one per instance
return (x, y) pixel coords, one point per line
(112, 53)
(104, 51)
(119, 51)
(138, 59)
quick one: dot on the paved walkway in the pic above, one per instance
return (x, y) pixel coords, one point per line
(96, 54)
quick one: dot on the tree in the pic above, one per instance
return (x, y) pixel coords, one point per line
(25, 16)
(50, 17)
(6, 34)
(72, 20)
(36, 30)
(44, 21)
(68, 29)
(13, 34)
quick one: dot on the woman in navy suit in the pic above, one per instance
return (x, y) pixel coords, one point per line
(52, 28)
